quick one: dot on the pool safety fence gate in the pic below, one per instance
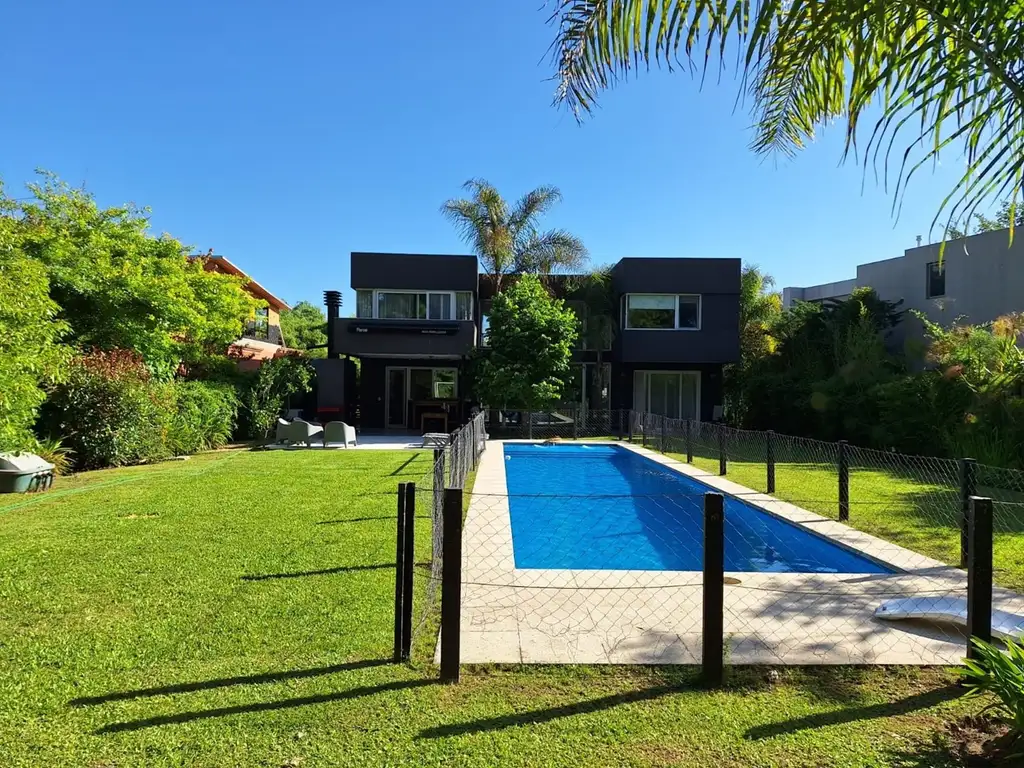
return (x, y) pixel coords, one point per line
(472, 586)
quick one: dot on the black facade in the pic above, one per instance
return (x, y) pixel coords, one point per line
(414, 369)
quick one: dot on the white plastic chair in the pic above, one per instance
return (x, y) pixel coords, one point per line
(281, 436)
(339, 432)
(300, 431)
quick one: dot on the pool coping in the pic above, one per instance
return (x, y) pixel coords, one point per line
(584, 616)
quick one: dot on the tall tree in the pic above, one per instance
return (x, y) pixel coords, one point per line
(507, 239)
(117, 286)
(304, 327)
(760, 309)
(530, 340)
(929, 73)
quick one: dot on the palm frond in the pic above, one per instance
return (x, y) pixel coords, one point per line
(944, 74)
(552, 251)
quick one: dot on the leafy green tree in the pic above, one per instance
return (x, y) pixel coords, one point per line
(270, 389)
(304, 327)
(30, 355)
(760, 310)
(933, 75)
(1009, 214)
(118, 287)
(530, 340)
(507, 238)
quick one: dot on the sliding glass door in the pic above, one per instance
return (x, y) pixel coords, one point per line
(674, 394)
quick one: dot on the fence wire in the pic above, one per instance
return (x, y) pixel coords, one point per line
(451, 468)
(823, 543)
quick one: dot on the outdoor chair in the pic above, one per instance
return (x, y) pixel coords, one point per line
(300, 431)
(281, 436)
(339, 432)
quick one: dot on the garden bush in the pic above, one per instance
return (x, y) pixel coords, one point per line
(110, 411)
(204, 416)
(269, 391)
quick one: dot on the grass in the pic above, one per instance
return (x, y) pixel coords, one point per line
(236, 610)
(916, 506)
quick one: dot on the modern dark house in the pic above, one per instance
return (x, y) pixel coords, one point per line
(673, 323)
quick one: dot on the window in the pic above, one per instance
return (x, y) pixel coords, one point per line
(444, 383)
(432, 384)
(936, 280)
(401, 306)
(413, 305)
(259, 326)
(364, 303)
(662, 311)
(485, 329)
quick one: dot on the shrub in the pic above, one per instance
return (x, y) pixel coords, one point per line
(269, 390)
(54, 451)
(109, 412)
(204, 416)
(1001, 674)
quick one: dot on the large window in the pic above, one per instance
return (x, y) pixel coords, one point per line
(433, 384)
(936, 280)
(662, 311)
(675, 394)
(415, 305)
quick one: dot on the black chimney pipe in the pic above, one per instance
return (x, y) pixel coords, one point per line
(333, 301)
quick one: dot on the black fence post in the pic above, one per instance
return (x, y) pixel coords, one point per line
(664, 443)
(689, 442)
(529, 424)
(400, 574)
(968, 488)
(451, 586)
(643, 428)
(713, 630)
(979, 573)
(722, 460)
(630, 418)
(575, 424)
(844, 482)
(409, 560)
(769, 452)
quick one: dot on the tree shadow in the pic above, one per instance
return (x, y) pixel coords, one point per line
(263, 706)
(322, 572)
(366, 519)
(536, 717)
(888, 709)
(225, 682)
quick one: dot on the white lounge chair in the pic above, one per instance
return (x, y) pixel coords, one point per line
(339, 432)
(300, 431)
(281, 436)
(293, 413)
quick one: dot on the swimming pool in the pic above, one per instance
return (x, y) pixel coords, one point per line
(605, 507)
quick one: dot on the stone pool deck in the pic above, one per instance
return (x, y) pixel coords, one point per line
(548, 616)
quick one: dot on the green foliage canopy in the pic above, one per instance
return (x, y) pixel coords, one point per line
(304, 326)
(118, 287)
(530, 339)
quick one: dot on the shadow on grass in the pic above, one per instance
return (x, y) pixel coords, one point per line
(366, 519)
(538, 716)
(263, 706)
(322, 572)
(226, 682)
(853, 714)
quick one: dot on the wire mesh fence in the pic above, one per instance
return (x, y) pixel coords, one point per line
(452, 467)
(601, 555)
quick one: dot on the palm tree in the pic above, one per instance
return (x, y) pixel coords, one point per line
(935, 73)
(507, 239)
(760, 309)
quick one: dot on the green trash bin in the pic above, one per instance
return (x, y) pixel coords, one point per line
(24, 472)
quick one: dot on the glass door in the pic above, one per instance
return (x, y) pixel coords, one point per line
(674, 394)
(396, 398)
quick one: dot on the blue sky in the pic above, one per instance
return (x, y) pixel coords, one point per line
(284, 136)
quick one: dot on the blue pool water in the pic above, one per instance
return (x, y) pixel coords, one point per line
(606, 507)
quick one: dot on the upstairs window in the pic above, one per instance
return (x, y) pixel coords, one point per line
(936, 283)
(364, 303)
(415, 305)
(662, 311)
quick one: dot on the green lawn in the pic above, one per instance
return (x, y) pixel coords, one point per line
(917, 506)
(235, 610)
